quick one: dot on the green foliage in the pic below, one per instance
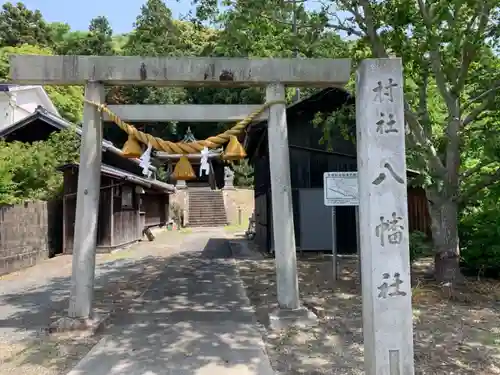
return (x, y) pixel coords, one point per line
(243, 174)
(451, 80)
(451, 69)
(480, 240)
(480, 234)
(420, 246)
(19, 25)
(98, 40)
(28, 171)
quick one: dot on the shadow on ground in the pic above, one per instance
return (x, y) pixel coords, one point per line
(451, 335)
(182, 314)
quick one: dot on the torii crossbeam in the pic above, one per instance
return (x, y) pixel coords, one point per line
(96, 72)
(387, 315)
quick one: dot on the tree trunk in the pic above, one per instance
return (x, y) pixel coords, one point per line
(444, 226)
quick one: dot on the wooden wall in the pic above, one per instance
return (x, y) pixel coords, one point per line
(125, 216)
(123, 213)
(154, 207)
(418, 211)
(104, 224)
(309, 159)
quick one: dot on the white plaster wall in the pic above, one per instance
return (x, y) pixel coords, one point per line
(28, 100)
(16, 105)
(6, 112)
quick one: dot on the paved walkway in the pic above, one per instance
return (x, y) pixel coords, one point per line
(193, 320)
(32, 298)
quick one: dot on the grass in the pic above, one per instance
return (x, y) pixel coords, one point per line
(233, 228)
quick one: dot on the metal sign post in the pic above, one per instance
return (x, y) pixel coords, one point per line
(335, 269)
(340, 189)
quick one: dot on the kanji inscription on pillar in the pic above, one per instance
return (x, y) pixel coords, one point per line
(391, 228)
(382, 176)
(391, 288)
(386, 123)
(383, 218)
(384, 91)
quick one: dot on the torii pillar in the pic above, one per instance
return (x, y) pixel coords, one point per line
(274, 74)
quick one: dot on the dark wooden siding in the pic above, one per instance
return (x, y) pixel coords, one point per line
(118, 225)
(153, 206)
(307, 166)
(418, 211)
(125, 219)
(104, 229)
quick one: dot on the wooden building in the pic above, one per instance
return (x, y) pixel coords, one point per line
(42, 123)
(309, 159)
(128, 204)
(121, 221)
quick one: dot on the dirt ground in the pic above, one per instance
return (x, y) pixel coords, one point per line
(453, 334)
(128, 273)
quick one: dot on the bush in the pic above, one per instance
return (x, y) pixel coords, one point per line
(243, 174)
(420, 246)
(28, 171)
(480, 240)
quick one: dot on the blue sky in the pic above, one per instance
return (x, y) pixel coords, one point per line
(77, 13)
(120, 13)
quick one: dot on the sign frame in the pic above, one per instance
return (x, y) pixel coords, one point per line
(337, 199)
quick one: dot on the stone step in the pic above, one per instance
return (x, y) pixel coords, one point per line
(204, 200)
(207, 219)
(206, 225)
(205, 216)
(208, 212)
(200, 220)
(208, 209)
(203, 220)
(205, 193)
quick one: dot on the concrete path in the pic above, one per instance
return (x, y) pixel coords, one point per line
(195, 319)
(27, 304)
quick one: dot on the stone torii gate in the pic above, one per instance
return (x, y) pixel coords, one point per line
(387, 315)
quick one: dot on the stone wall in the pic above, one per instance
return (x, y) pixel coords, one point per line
(178, 205)
(24, 235)
(239, 199)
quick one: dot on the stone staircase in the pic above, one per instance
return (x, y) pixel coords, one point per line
(206, 208)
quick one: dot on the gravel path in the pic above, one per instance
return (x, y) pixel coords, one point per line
(455, 335)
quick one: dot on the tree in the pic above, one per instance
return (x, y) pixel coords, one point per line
(243, 174)
(98, 41)
(155, 34)
(452, 78)
(67, 99)
(451, 83)
(265, 28)
(19, 25)
(28, 171)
